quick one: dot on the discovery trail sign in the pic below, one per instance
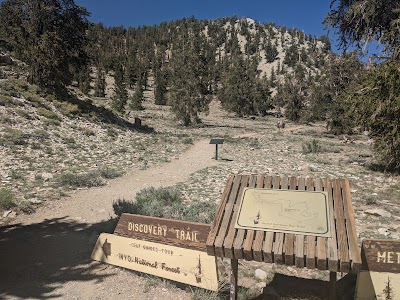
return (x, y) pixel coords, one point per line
(171, 249)
(179, 264)
(183, 234)
(379, 277)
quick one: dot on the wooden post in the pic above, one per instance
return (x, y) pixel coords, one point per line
(234, 279)
(332, 285)
(216, 151)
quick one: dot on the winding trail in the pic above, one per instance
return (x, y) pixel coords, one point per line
(48, 252)
(95, 204)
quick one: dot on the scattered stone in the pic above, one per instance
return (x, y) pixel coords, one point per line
(260, 274)
(6, 213)
(13, 215)
(395, 235)
(47, 176)
(313, 168)
(384, 231)
(378, 212)
(34, 201)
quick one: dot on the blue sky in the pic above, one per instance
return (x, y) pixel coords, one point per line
(305, 14)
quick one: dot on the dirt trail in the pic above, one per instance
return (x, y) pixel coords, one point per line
(95, 204)
(48, 253)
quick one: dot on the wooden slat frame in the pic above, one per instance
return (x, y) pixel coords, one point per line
(248, 242)
(269, 236)
(259, 236)
(277, 249)
(332, 241)
(219, 240)
(289, 237)
(310, 239)
(218, 217)
(343, 246)
(354, 249)
(242, 234)
(322, 261)
(232, 231)
(340, 252)
(299, 238)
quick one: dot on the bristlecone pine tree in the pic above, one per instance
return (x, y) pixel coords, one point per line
(120, 97)
(241, 90)
(191, 77)
(50, 36)
(375, 97)
(100, 84)
(137, 98)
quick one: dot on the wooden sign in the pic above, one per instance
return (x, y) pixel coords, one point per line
(179, 264)
(297, 212)
(183, 234)
(380, 274)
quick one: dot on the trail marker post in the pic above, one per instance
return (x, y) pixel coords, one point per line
(216, 142)
(379, 277)
(171, 249)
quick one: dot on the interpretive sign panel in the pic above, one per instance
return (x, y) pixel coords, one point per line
(380, 274)
(183, 234)
(298, 212)
(179, 264)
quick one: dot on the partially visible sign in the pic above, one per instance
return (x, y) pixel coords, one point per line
(183, 234)
(298, 212)
(380, 274)
(216, 141)
(183, 265)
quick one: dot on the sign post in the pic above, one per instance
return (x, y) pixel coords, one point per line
(379, 277)
(167, 248)
(179, 264)
(216, 142)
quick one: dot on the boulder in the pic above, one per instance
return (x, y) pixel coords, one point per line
(260, 274)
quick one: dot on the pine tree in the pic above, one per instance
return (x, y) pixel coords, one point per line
(241, 89)
(190, 77)
(374, 98)
(272, 79)
(271, 52)
(120, 97)
(160, 89)
(50, 36)
(84, 80)
(100, 84)
(137, 98)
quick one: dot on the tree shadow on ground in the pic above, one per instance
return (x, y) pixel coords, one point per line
(105, 115)
(35, 259)
(291, 287)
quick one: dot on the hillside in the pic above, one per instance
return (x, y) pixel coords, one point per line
(66, 156)
(279, 51)
(68, 223)
(54, 143)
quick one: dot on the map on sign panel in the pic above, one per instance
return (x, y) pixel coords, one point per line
(298, 212)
